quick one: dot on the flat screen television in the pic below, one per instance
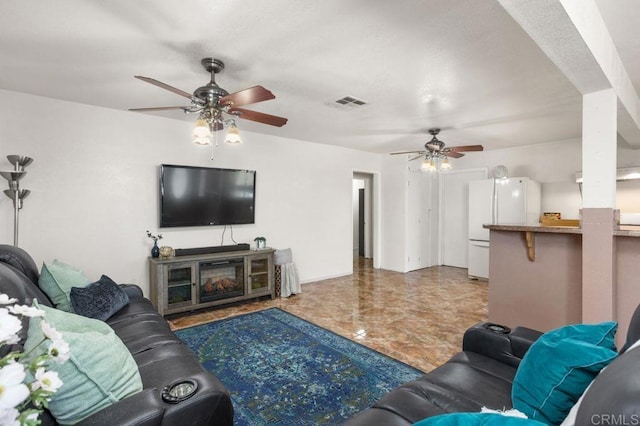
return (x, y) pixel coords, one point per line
(205, 196)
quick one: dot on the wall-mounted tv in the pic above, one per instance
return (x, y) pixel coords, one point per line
(205, 196)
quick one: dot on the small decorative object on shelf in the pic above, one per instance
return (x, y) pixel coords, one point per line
(261, 242)
(166, 252)
(155, 250)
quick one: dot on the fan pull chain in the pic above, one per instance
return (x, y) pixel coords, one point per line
(214, 145)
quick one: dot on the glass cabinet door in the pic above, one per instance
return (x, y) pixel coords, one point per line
(259, 267)
(180, 285)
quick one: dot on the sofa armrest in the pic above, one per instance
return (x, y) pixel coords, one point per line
(142, 409)
(521, 340)
(499, 342)
(132, 290)
(210, 405)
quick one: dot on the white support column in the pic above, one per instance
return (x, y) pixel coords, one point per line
(599, 148)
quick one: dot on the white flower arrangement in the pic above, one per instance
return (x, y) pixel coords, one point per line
(22, 403)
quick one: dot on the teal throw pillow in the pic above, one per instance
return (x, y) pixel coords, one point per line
(558, 368)
(57, 279)
(477, 419)
(100, 369)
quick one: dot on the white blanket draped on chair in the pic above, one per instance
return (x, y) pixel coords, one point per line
(290, 283)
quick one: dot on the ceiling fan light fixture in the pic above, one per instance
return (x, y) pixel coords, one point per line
(445, 164)
(202, 133)
(436, 155)
(214, 105)
(233, 134)
(428, 165)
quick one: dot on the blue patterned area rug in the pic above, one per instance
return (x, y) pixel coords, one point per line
(283, 370)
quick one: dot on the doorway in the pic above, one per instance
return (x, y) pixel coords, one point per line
(363, 230)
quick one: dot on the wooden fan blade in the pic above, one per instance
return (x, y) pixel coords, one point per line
(409, 152)
(415, 158)
(159, 108)
(248, 96)
(467, 148)
(169, 88)
(454, 154)
(260, 117)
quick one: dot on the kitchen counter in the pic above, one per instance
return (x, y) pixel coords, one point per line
(530, 231)
(536, 275)
(627, 231)
(622, 231)
(529, 228)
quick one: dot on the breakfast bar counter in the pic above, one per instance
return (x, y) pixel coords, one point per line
(528, 228)
(620, 231)
(627, 231)
(536, 274)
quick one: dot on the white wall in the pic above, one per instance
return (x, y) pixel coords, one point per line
(628, 196)
(547, 162)
(94, 184)
(561, 197)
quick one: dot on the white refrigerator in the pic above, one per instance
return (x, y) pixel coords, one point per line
(512, 201)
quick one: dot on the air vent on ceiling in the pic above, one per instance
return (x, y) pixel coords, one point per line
(350, 102)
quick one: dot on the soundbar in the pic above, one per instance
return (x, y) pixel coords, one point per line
(213, 249)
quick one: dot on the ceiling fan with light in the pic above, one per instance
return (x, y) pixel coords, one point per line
(216, 107)
(434, 152)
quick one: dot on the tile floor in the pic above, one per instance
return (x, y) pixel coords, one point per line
(418, 317)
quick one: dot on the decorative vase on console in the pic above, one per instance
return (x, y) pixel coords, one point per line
(155, 250)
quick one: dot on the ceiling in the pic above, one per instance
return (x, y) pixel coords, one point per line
(462, 65)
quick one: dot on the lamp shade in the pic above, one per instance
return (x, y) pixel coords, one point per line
(428, 165)
(19, 161)
(233, 135)
(202, 133)
(13, 175)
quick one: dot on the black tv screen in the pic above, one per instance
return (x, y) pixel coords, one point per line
(205, 196)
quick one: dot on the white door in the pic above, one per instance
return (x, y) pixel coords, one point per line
(510, 201)
(454, 215)
(420, 218)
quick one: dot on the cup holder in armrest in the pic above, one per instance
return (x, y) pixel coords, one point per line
(179, 391)
(497, 328)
